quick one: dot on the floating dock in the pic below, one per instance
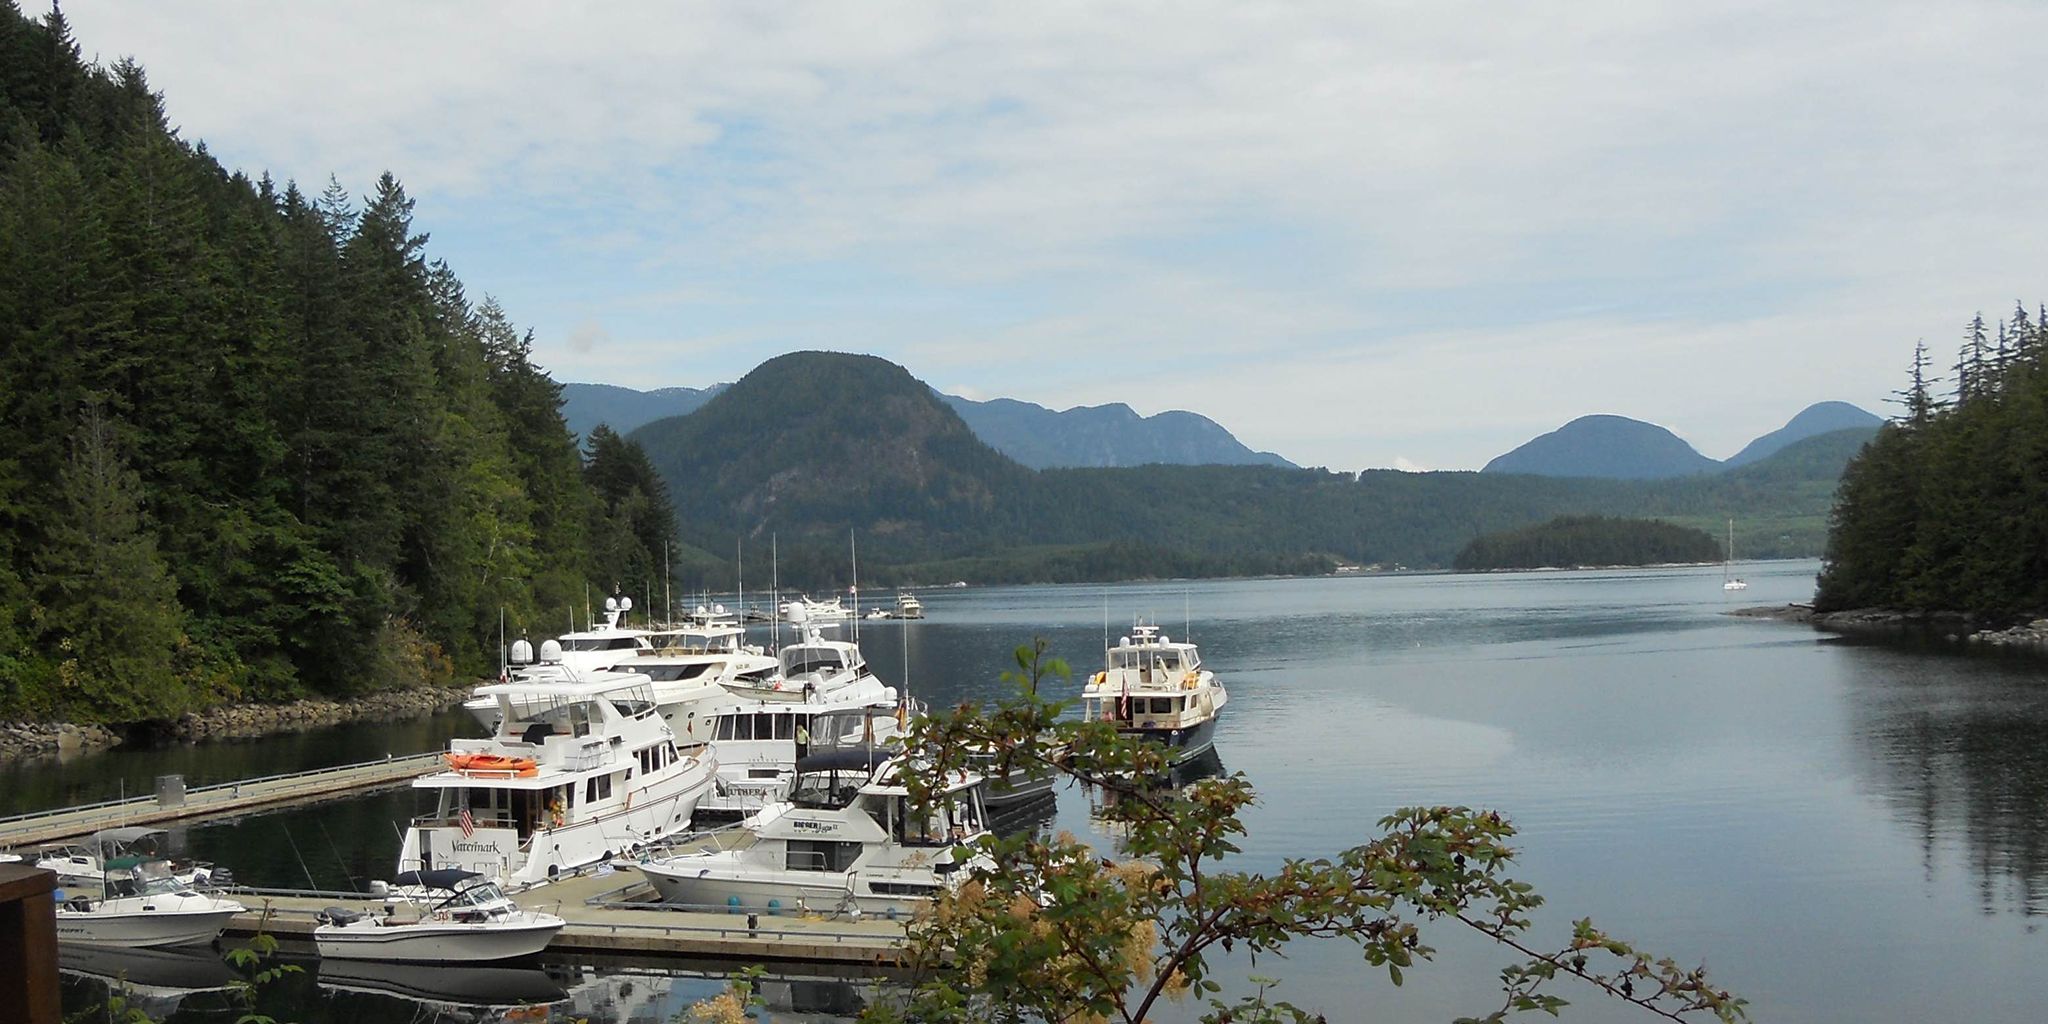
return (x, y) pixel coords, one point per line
(221, 800)
(610, 912)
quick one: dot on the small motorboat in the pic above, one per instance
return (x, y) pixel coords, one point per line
(452, 916)
(79, 865)
(142, 905)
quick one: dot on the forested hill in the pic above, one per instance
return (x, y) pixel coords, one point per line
(252, 442)
(1582, 541)
(1947, 509)
(813, 447)
(1104, 435)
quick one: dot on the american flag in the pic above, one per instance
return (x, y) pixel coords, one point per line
(1124, 706)
(468, 823)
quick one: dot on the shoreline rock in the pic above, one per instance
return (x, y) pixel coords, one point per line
(1955, 627)
(21, 741)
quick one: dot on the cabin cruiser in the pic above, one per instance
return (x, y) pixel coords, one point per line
(573, 773)
(815, 670)
(605, 645)
(907, 607)
(758, 745)
(140, 904)
(81, 865)
(452, 916)
(1157, 690)
(845, 841)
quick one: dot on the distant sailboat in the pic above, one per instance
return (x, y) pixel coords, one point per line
(1730, 581)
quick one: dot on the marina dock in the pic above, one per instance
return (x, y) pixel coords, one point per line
(611, 912)
(217, 800)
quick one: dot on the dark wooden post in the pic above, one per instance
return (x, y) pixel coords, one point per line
(28, 945)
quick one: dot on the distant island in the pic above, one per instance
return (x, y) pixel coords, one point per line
(1575, 541)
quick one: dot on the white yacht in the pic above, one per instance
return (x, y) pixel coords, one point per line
(451, 916)
(805, 609)
(573, 773)
(1158, 690)
(908, 606)
(845, 841)
(693, 669)
(606, 645)
(82, 865)
(141, 905)
(815, 670)
(758, 745)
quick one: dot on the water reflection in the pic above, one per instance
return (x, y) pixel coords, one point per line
(159, 982)
(1956, 743)
(1102, 801)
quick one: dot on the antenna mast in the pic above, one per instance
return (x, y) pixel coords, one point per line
(853, 542)
(774, 596)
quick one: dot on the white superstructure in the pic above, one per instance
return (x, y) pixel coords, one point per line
(444, 915)
(1154, 688)
(573, 773)
(758, 744)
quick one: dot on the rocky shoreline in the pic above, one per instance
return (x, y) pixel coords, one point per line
(21, 740)
(1956, 627)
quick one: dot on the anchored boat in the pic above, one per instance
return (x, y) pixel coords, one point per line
(845, 841)
(142, 905)
(448, 916)
(1157, 690)
(573, 773)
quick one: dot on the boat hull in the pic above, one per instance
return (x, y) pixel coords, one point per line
(699, 882)
(437, 942)
(1181, 744)
(143, 929)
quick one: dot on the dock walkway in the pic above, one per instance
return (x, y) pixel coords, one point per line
(217, 800)
(609, 913)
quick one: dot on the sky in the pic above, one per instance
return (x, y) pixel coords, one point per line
(1359, 234)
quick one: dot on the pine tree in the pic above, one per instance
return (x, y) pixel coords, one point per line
(106, 601)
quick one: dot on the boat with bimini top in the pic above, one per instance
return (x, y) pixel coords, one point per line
(443, 915)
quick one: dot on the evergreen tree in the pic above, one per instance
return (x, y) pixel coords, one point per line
(106, 605)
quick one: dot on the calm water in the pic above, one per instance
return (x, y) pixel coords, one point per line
(1842, 831)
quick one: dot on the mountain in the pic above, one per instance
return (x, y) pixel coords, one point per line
(1613, 447)
(1814, 420)
(1104, 435)
(624, 409)
(811, 445)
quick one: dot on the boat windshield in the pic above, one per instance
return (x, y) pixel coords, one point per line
(827, 790)
(1163, 660)
(798, 660)
(855, 727)
(613, 643)
(486, 894)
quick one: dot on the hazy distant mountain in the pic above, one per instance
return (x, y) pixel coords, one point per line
(1103, 435)
(624, 409)
(1814, 420)
(1614, 447)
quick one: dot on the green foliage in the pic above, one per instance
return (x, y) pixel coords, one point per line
(317, 466)
(1947, 509)
(1056, 932)
(1589, 540)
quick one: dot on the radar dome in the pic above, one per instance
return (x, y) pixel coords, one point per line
(611, 604)
(551, 651)
(522, 651)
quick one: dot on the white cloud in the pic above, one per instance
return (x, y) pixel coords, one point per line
(1342, 228)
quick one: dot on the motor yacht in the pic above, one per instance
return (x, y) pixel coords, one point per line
(846, 841)
(140, 904)
(573, 773)
(1156, 689)
(444, 915)
(693, 669)
(815, 670)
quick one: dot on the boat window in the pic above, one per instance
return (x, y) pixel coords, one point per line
(799, 660)
(784, 727)
(764, 726)
(821, 855)
(1162, 705)
(598, 788)
(579, 720)
(742, 727)
(673, 673)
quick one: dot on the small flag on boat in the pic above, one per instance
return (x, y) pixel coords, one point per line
(468, 824)
(1124, 706)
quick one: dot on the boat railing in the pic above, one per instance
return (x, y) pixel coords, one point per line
(591, 756)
